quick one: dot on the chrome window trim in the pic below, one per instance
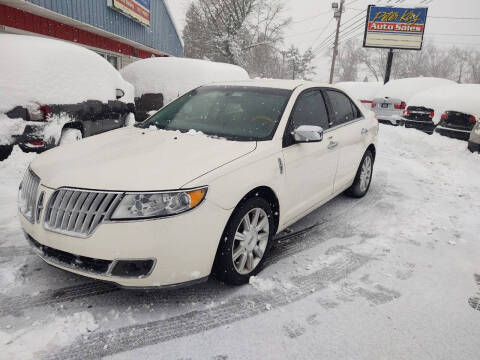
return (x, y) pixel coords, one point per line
(344, 124)
(451, 129)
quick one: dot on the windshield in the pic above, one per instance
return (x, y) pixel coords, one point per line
(233, 112)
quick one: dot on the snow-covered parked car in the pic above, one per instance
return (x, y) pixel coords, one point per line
(392, 99)
(449, 110)
(205, 183)
(460, 109)
(158, 81)
(363, 91)
(53, 92)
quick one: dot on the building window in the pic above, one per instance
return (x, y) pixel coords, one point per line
(113, 60)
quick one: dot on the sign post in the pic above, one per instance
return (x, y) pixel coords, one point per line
(394, 28)
(389, 66)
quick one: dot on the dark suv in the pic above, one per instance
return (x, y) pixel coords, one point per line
(53, 92)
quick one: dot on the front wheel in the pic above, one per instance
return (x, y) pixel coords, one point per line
(5, 151)
(362, 181)
(245, 242)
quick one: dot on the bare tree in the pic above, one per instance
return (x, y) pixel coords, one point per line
(242, 32)
(450, 63)
(349, 58)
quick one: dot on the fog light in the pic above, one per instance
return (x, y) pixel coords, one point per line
(132, 268)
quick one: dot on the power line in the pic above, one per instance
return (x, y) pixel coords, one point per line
(359, 21)
(327, 42)
(345, 35)
(446, 34)
(354, 16)
(311, 17)
(454, 17)
(321, 32)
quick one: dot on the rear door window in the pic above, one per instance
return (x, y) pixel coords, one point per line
(343, 109)
(310, 109)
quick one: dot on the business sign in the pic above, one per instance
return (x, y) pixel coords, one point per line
(136, 9)
(395, 28)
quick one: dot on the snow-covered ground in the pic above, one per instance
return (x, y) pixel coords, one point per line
(389, 276)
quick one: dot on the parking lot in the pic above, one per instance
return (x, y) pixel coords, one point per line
(392, 275)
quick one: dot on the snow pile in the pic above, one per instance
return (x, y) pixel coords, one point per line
(45, 71)
(43, 338)
(404, 89)
(361, 90)
(173, 77)
(458, 97)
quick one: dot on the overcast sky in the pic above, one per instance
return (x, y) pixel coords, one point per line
(312, 23)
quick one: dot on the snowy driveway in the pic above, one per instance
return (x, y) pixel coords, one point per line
(389, 276)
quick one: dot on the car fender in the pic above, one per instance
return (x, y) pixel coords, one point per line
(229, 184)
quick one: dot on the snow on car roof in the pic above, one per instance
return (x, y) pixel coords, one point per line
(267, 83)
(173, 76)
(457, 97)
(47, 71)
(404, 89)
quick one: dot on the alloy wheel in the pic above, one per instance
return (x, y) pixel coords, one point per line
(250, 242)
(366, 173)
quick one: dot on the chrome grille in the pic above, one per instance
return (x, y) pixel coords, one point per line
(27, 194)
(78, 212)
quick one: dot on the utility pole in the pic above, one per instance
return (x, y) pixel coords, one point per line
(389, 67)
(338, 15)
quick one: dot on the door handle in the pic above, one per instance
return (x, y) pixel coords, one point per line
(364, 131)
(332, 145)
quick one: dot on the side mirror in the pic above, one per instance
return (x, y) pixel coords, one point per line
(308, 133)
(119, 93)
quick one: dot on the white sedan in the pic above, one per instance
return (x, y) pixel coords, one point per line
(201, 186)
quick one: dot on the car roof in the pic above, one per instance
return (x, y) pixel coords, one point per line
(274, 83)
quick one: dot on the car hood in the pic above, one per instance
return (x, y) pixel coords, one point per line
(134, 159)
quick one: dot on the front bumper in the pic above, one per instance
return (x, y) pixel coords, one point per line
(390, 119)
(182, 247)
(453, 133)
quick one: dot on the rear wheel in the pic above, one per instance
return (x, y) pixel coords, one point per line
(362, 181)
(245, 242)
(5, 151)
(69, 136)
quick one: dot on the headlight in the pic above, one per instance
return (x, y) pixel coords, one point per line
(159, 204)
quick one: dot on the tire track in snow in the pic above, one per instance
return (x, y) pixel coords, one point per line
(285, 245)
(12, 251)
(14, 305)
(241, 307)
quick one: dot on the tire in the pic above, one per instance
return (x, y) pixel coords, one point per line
(238, 246)
(5, 151)
(363, 178)
(70, 135)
